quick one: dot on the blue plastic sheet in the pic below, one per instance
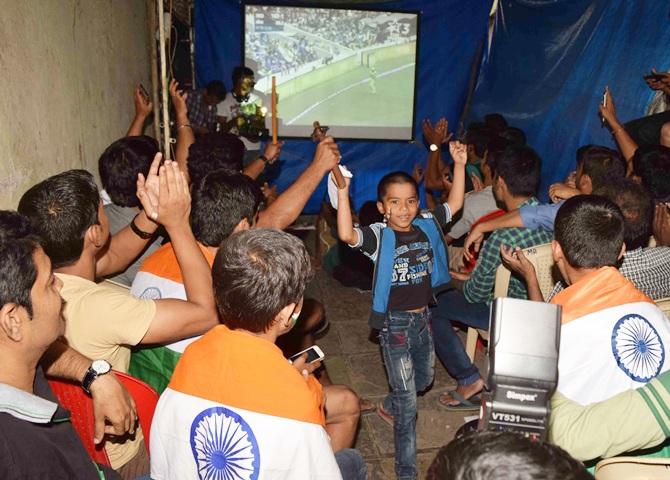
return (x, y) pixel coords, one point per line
(451, 32)
(551, 60)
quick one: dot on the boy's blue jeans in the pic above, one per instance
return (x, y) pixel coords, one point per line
(409, 358)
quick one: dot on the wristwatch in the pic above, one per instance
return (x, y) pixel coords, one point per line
(433, 147)
(97, 368)
(264, 158)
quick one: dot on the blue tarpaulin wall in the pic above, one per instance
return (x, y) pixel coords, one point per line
(551, 60)
(451, 32)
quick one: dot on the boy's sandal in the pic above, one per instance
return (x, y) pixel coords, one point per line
(463, 405)
(383, 414)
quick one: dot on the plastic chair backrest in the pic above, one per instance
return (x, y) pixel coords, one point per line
(633, 468)
(541, 258)
(71, 396)
(664, 305)
(145, 398)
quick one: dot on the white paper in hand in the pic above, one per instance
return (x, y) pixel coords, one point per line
(332, 186)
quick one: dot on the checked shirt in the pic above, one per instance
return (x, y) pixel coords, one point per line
(648, 269)
(479, 288)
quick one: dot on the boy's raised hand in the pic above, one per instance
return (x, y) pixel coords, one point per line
(458, 152)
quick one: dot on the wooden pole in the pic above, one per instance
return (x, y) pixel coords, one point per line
(153, 55)
(274, 110)
(163, 82)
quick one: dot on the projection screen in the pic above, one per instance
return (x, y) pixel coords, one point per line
(352, 70)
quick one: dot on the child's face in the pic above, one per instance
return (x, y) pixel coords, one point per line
(400, 206)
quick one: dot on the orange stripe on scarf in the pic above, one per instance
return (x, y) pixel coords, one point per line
(604, 288)
(163, 262)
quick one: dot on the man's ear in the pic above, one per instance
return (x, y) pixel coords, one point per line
(10, 321)
(94, 236)
(380, 208)
(556, 251)
(623, 250)
(283, 318)
(242, 226)
(585, 185)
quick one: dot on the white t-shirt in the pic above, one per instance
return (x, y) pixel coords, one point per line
(231, 108)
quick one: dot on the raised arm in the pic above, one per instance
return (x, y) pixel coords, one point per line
(435, 166)
(270, 156)
(177, 319)
(345, 224)
(126, 245)
(113, 407)
(283, 211)
(459, 154)
(143, 109)
(626, 144)
(185, 136)
(476, 236)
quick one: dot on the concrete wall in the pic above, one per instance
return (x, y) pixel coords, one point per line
(67, 71)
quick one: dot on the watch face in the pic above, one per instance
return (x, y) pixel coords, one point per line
(101, 366)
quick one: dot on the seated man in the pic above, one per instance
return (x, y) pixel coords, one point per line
(101, 322)
(647, 267)
(596, 167)
(613, 336)
(223, 202)
(119, 166)
(37, 439)
(517, 175)
(234, 403)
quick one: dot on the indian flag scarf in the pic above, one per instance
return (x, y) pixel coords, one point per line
(236, 409)
(160, 277)
(613, 337)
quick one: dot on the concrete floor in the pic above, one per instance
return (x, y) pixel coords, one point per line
(352, 358)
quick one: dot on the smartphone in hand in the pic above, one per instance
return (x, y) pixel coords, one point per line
(144, 93)
(314, 354)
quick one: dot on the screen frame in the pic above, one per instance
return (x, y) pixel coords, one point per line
(418, 13)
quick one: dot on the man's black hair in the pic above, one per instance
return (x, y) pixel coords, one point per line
(214, 151)
(603, 165)
(514, 135)
(219, 202)
(240, 72)
(519, 166)
(394, 177)
(18, 243)
(494, 149)
(488, 455)
(652, 164)
(119, 165)
(637, 208)
(478, 135)
(217, 89)
(256, 273)
(495, 122)
(590, 231)
(61, 209)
